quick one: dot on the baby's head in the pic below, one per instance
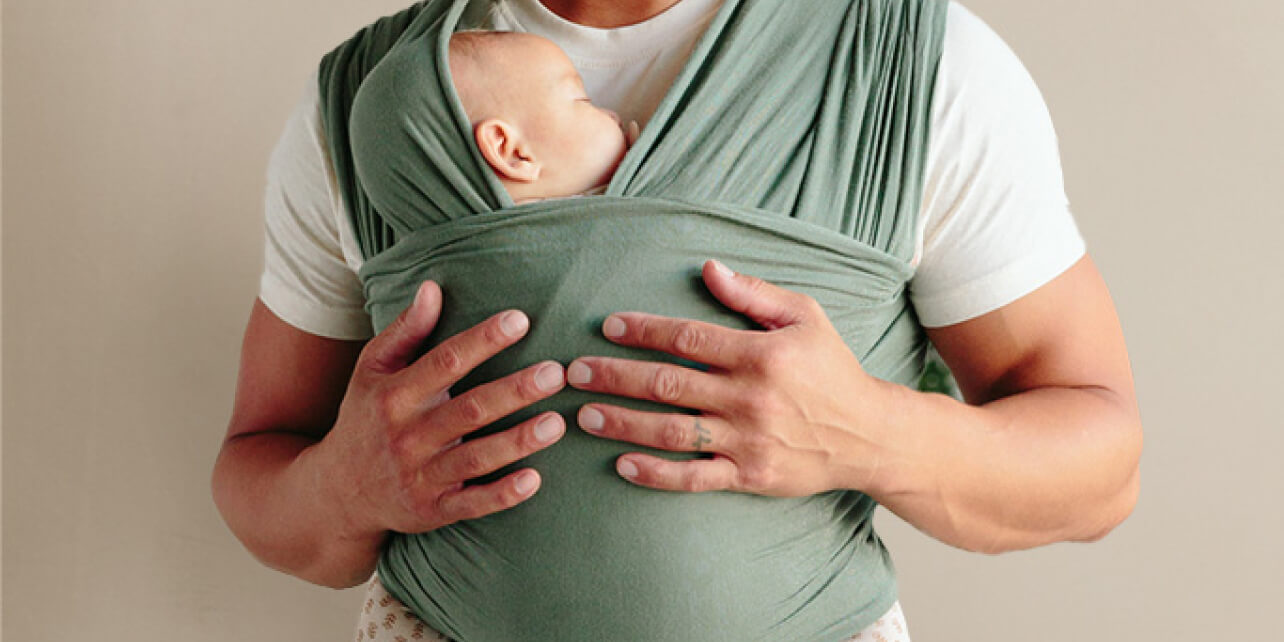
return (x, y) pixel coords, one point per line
(531, 119)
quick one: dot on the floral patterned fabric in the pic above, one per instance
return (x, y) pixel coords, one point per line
(384, 619)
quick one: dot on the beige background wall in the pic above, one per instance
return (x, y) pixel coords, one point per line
(136, 133)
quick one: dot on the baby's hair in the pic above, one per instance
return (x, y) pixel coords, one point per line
(472, 67)
(467, 42)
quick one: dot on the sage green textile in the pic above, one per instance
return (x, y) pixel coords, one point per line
(791, 147)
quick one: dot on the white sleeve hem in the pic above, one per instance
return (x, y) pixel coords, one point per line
(994, 290)
(995, 223)
(329, 321)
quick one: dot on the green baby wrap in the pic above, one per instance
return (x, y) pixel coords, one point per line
(790, 147)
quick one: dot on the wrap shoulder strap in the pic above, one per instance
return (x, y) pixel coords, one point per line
(339, 77)
(814, 109)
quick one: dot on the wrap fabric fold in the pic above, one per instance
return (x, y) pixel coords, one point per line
(791, 148)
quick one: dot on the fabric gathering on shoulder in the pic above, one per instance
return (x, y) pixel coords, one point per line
(994, 218)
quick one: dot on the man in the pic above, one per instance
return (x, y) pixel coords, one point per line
(334, 435)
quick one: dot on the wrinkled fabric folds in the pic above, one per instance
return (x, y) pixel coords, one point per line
(790, 147)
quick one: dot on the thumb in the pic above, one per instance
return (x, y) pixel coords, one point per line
(769, 305)
(399, 343)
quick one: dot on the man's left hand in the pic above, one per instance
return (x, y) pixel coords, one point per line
(786, 410)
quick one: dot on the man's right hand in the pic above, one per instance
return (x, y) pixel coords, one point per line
(395, 460)
(340, 442)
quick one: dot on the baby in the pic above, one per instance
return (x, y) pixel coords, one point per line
(531, 118)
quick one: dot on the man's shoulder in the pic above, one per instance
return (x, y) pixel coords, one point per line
(995, 221)
(973, 51)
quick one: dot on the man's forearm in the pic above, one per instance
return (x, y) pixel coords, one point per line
(268, 490)
(1046, 465)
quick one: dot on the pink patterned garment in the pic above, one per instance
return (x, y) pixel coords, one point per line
(385, 619)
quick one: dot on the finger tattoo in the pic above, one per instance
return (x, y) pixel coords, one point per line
(702, 435)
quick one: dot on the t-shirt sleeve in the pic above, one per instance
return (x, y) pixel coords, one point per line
(306, 280)
(995, 222)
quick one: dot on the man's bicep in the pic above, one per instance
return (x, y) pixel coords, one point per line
(289, 380)
(1064, 333)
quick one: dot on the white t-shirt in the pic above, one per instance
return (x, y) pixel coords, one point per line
(994, 225)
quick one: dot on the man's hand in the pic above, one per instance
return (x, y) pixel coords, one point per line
(784, 409)
(394, 459)
(340, 442)
(1049, 453)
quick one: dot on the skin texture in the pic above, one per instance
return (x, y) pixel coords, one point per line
(532, 120)
(340, 441)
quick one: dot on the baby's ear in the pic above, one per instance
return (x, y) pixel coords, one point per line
(507, 152)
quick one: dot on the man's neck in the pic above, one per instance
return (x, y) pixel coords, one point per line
(607, 14)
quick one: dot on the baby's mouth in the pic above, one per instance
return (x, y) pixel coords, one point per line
(631, 132)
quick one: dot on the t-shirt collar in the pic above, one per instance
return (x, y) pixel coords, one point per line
(592, 43)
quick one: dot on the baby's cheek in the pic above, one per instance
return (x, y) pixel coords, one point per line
(606, 155)
(619, 148)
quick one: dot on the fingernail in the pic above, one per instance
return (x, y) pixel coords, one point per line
(613, 327)
(722, 269)
(524, 483)
(591, 420)
(514, 323)
(549, 377)
(627, 468)
(419, 298)
(579, 374)
(548, 429)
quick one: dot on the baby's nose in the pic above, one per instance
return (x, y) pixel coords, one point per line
(614, 115)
